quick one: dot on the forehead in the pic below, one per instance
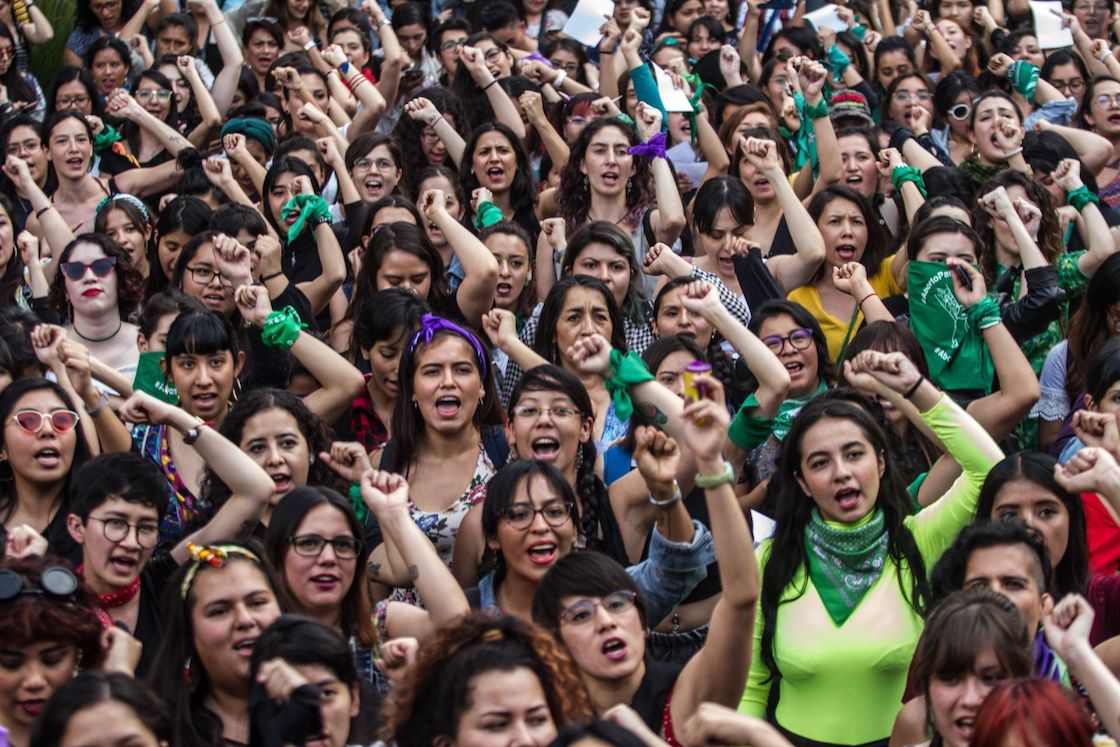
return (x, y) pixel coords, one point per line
(996, 103)
(406, 261)
(380, 151)
(1019, 492)
(610, 136)
(491, 139)
(948, 242)
(1001, 560)
(506, 243)
(676, 361)
(236, 579)
(119, 507)
(85, 251)
(446, 347)
(600, 251)
(778, 324)
(855, 144)
(393, 214)
(69, 126)
(582, 297)
(831, 433)
(912, 84)
(271, 421)
(325, 519)
(42, 399)
(841, 205)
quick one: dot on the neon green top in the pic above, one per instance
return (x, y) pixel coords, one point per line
(843, 684)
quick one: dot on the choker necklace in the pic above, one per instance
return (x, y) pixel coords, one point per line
(120, 324)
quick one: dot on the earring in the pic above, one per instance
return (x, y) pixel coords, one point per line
(586, 182)
(579, 458)
(187, 671)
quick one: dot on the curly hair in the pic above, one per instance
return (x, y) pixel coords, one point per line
(313, 430)
(436, 693)
(1049, 229)
(574, 195)
(130, 283)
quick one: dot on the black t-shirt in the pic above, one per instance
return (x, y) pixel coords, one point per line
(149, 620)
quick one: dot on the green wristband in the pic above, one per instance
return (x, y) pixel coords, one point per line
(627, 370)
(1081, 197)
(311, 209)
(281, 328)
(903, 173)
(985, 313)
(357, 502)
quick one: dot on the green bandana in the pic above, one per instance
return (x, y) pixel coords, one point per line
(310, 208)
(488, 215)
(978, 172)
(627, 369)
(845, 561)
(955, 349)
(149, 378)
(787, 411)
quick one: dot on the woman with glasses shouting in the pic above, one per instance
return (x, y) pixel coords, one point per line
(41, 443)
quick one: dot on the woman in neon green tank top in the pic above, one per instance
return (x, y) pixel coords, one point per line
(843, 579)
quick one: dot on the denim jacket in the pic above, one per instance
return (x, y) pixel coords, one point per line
(668, 575)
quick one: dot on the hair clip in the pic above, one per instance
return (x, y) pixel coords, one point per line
(492, 636)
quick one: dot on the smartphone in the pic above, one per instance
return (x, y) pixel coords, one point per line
(963, 276)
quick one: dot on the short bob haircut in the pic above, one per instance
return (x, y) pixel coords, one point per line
(35, 618)
(118, 474)
(89, 690)
(437, 690)
(130, 283)
(963, 626)
(826, 369)
(200, 332)
(357, 610)
(581, 574)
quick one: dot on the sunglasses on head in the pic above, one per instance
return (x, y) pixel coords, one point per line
(33, 421)
(77, 270)
(960, 112)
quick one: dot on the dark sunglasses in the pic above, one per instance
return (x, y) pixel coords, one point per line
(77, 270)
(54, 581)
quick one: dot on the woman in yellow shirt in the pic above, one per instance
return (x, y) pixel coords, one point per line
(851, 232)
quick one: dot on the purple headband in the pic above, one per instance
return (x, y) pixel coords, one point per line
(432, 324)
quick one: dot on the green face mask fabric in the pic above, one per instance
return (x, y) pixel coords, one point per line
(955, 349)
(149, 378)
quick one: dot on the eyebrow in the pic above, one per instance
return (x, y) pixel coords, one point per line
(845, 447)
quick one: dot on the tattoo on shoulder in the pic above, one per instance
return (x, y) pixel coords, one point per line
(375, 569)
(651, 414)
(413, 573)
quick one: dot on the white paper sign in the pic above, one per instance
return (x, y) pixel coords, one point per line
(827, 18)
(672, 98)
(1048, 24)
(684, 161)
(587, 19)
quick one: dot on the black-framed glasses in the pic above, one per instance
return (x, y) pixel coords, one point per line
(493, 54)
(447, 46)
(116, 530)
(54, 581)
(72, 102)
(522, 515)
(311, 545)
(203, 274)
(77, 270)
(1075, 86)
(532, 412)
(583, 611)
(32, 421)
(799, 339)
(960, 112)
(146, 94)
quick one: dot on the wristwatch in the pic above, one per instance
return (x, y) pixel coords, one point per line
(191, 435)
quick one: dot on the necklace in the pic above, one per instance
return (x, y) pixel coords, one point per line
(120, 324)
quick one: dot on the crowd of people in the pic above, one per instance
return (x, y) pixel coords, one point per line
(495, 374)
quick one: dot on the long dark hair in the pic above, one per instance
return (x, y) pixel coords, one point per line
(545, 343)
(594, 501)
(408, 131)
(286, 165)
(15, 80)
(1049, 229)
(400, 237)
(356, 615)
(1091, 325)
(787, 555)
(131, 131)
(574, 195)
(193, 724)
(1071, 573)
(408, 424)
(188, 214)
(11, 274)
(877, 247)
(635, 304)
(523, 189)
(9, 398)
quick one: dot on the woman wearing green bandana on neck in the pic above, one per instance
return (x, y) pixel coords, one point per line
(826, 660)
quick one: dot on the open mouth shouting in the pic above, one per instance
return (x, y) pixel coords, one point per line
(545, 449)
(282, 481)
(846, 252)
(374, 187)
(495, 175)
(244, 646)
(615, 649)
(848, 499)
(206, 402)
(48, 457)
(124, 564)
(542, 553)
(610, 179)
(448, 406)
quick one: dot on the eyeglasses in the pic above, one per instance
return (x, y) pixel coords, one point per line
(492, 54)
(365, 164)
(583, 611)
(27, 146)
(447, 46)
(32, 421)
(311, 546)
(146, 94)
(203, 275)
(799, 339)
(522, 515)
(960, 112)
(77, 270)
(72, 102)
(529, 412)
(571, 68)
(1077, 85)
(116, 530)
(1104, 101)
(903, 97)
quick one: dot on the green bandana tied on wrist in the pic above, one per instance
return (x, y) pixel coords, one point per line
(627, 369)
(1024, 78)
(838, 62)
(311, 209)
(488, 214)
(358, 503)
(956, 352)
(1081, 197)
(281, 328)
(903, 173)
(103, 141)
(845, 561)
(984, 314)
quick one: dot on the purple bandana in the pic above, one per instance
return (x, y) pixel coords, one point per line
(652, 148)
(432, 324)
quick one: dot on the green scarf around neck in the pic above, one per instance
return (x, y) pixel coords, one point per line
(845, 561)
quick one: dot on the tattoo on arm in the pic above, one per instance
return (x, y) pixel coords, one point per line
(413, 573)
